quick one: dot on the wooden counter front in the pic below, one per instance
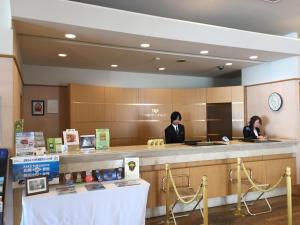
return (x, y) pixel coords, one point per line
(267, 161)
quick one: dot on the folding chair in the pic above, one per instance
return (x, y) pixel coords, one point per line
(186, 192)
(245, 181)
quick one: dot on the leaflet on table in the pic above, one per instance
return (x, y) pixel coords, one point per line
(29, 166)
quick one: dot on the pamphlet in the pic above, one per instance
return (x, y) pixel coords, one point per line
(24, 143)
(127, 183)
(132, 168)
(102, 138)
(94, 187)
(67, 189)
(54, 145)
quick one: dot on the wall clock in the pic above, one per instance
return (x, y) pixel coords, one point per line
(275, 101)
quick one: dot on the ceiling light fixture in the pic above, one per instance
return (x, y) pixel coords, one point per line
(145, 45)
(228, 64)
(63, 55)
(161, 68)
(203, 52)
(70, 36)
(156, 58)
(114, 65)
(253, 57)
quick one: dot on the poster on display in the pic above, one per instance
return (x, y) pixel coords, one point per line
(31, 166)
(132, 168)
(102, 138)
(71, 137)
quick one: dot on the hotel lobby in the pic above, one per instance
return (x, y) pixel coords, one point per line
(149, 112)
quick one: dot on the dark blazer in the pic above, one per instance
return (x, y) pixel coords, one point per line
(249, 133)
(172, 137)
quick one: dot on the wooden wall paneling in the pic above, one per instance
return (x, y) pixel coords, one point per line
(195, 129)
(88, 112)
(87, 93)
(151, 129)
(86, 128)
(155, 112)
(185, 96)
(275, 168)
(237, 94)
(121, 95)
(191, 112)
(156, 197)
(155, 96)
(238, 119)
(218, 95)
(259, 175)
(217, 179)
(121, 112)
(122, 129)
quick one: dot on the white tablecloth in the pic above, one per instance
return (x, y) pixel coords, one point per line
(110, 206)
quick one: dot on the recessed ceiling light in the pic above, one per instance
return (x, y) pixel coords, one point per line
(203, 52)
(180, 60)
(228, 64)
(70, 36)
(253, 57)
(114, 65)
(156, 58)
(161, 68)
(145, 45)
(62, 55)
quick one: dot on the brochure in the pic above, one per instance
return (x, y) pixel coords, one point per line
(67, 189)
(94, 187)
(102, 138)
(132, 168)
(127, 183)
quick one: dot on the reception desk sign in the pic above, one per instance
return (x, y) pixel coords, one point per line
(31, 166)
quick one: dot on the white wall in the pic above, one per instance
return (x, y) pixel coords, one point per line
(6, 33)
(278, 70)
(45, 75)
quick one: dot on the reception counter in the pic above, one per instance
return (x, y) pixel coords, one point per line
(267, 161)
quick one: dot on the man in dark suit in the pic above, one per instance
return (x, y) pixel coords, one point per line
(174, 133)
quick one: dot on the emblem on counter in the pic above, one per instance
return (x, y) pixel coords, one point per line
(131, 165)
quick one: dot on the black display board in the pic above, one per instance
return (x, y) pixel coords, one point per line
(3, 174)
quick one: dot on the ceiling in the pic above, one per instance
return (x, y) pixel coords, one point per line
(41, 41)
(253, 15)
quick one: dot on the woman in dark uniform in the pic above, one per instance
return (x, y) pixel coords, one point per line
(174, 133)
(252, 131)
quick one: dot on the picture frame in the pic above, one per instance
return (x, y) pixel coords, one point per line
(37, 107)
(71, 137)
(36, 185)
(87, 142)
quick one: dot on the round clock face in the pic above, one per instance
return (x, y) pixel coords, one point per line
(275, 101)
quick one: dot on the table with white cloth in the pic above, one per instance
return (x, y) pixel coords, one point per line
(110, 206)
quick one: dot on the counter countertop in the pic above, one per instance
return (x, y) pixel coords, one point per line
(183, 153)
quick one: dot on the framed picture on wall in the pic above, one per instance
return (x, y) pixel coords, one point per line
(38, 107)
